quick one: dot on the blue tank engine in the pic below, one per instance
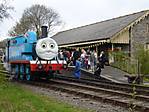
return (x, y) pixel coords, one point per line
(30, 58)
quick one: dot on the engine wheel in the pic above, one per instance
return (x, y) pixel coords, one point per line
(21, 72)
(16, 75)
(28, 75)
(21, 77)
(51, 74)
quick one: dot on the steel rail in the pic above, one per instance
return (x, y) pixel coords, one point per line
(92, 93)
(108, 85)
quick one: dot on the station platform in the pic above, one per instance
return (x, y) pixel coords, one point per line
(112, 74)
(108, 73)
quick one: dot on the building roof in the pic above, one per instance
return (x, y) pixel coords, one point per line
(98, 31)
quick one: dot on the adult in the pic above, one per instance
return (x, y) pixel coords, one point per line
(96, 58)
(65, 55)
(83, 54)
(92, 60)
(76, 55)
(102, 59)
(97, 71)
(60, 55)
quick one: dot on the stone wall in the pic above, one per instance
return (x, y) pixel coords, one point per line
(139, 35)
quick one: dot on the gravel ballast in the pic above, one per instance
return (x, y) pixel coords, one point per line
(76, 100)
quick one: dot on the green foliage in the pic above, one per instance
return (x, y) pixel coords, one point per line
(124, 62)
(143, 57)
(15, 99)
(139, 62)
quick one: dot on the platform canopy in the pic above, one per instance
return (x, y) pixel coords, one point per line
(100, 32)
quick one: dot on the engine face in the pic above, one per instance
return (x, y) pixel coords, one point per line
(46, 48)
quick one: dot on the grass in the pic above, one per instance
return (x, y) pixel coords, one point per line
(15, 99)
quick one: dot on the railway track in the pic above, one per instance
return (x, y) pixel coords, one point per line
(105, 91)
(140, 89)
(118, 97)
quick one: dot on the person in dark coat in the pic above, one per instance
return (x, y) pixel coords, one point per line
(76, 55)
(102, 59)
(97, 71)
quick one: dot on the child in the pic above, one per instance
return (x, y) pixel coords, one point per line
(77, 72)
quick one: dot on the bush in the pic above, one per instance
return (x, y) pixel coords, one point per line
(124, 62)
(137, 63)
(143, 57)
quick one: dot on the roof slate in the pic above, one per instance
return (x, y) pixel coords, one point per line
(100, 30)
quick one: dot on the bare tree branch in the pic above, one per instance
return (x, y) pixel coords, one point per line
(4, 9)
(35, 17)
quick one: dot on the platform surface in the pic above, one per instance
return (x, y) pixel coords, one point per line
(109, 73)
(114, 74)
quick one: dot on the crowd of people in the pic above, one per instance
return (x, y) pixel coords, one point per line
(86, 59)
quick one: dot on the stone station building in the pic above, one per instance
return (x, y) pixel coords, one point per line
(121, 33)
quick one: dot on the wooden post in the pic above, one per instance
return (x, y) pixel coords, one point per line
(97, 50)
(111, 59)
(112, 47)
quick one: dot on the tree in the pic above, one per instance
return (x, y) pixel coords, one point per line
(36, 16)
(20, 28)
(4, 9)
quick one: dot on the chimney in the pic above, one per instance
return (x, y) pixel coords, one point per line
(44, 31)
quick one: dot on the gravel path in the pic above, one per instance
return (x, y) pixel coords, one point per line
(76, 101)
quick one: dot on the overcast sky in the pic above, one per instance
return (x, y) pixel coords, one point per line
(77, 12)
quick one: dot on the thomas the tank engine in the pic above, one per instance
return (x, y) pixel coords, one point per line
(29, 58)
